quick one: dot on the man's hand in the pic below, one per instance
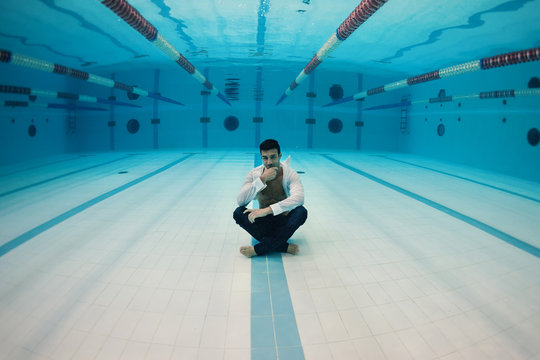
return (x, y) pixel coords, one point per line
(257, 213)
(269, 174)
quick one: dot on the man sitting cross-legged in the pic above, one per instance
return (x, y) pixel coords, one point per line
(280, 194)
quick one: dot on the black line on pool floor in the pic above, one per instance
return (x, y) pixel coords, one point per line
(522, 245)
(14, 243)
(61, 176)
(462, 178)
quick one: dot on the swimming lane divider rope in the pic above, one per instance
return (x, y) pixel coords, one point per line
(274, 332)
(61, 176)
(491, 62)
(16, 242)
(9, 57)
(33, 93)
(134, 18)
(522, 245)
(357, 17)
(462, 178)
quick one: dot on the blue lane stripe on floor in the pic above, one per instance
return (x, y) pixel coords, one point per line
(63, 175)
(40, 166)
(18, 241)
(531, 249)
(274, 332)
(463, 178)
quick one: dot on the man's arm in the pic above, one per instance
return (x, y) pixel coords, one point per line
(257, 213)
(254, 183)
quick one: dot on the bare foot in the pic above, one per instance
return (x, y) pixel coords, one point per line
(293, 249)
(247, 251)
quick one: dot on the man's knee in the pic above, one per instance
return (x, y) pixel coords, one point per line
(238, 213)
(300, 214)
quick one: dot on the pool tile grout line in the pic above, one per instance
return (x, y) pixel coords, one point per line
(21, 239)
(522, 245)
(462, 178)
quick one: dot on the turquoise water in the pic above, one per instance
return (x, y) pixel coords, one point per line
(117, 181)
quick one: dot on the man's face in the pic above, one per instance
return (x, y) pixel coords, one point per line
(270, 158)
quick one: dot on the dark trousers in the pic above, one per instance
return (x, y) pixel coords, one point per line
(272, 232)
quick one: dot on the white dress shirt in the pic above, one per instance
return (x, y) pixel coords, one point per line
(294, 190)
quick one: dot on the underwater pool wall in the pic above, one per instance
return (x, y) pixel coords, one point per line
(30, 132)
(194, 126)
(488, 133)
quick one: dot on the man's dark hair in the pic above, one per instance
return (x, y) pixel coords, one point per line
(270, 144)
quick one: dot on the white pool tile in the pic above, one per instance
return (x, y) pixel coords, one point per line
(318, 352)
(70, 344)
(90, 347)
(310, 329)
(238, 332)
(219, 303)
(146, 327)
(159, 352)
(354, 323)
(333, 327)
(322, 300)
(369, 348)
(343, 350)
(376, 320)
(392, 346)
(415, 344)
(237, 354)
(126, 324)
(112, 349)
(190, 331)
(214, 332)
(395, 316)
(135, 350)
(167, 329)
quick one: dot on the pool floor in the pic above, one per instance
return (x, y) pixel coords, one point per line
(134, 255)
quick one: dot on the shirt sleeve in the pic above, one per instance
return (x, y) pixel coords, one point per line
(252, 185)
(295, 198)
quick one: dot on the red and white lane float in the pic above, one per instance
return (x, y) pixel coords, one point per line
(359, 15)
(131, 16)
(7, 56)
(32, 93)
(496, 94)
(512, 58)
